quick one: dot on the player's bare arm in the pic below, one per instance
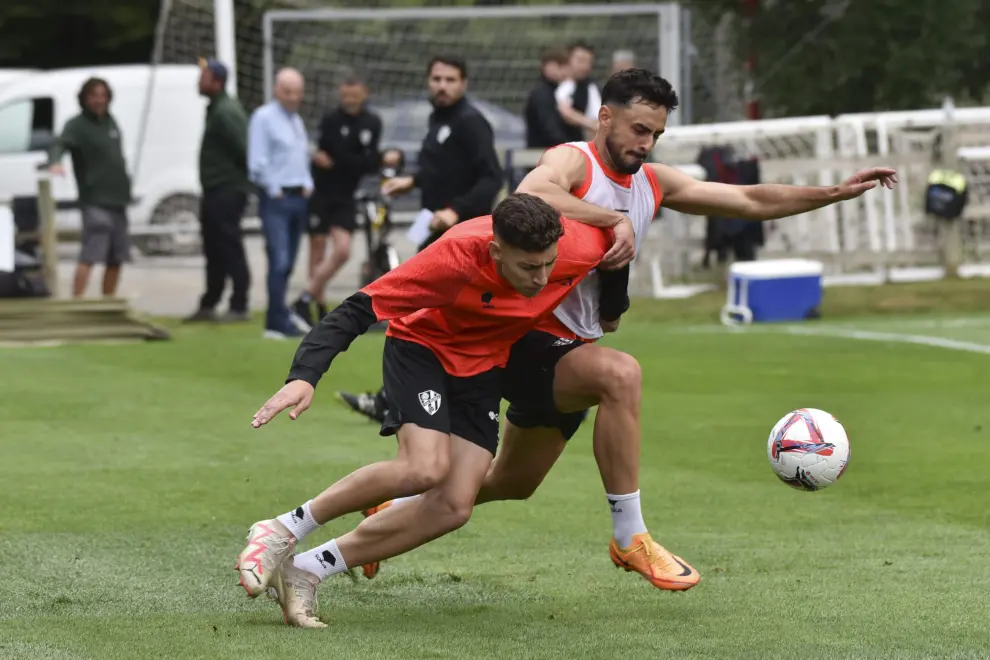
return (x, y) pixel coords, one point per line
(765, 201)
(560, 171)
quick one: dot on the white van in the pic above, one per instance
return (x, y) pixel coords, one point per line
(160, 114)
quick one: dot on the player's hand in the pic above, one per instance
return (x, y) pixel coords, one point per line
(624, 248)
(307, 192)
(322, 159)
(57, 168)
(397, 185)
(609, 326)
(297, 395)
(865, 180)
(443, 219)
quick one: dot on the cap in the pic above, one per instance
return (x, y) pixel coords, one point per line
(216, 67)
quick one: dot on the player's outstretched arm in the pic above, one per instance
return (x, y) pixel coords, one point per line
(561, 172)
(433, 278)
(765, 201)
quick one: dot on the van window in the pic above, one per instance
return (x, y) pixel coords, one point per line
(27, 125)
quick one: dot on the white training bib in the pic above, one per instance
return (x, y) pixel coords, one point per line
(637, 196)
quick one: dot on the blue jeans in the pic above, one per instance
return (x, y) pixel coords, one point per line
(283, 220)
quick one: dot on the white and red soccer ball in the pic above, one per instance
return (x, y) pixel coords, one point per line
(808, 449)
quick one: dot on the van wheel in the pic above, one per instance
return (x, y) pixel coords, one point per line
(177, 217)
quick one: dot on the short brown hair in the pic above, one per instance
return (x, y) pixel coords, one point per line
(554, 54)
(527, 222)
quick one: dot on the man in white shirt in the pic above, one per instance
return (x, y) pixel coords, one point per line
(578, 97)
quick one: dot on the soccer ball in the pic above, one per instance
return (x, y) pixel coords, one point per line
(808, 449)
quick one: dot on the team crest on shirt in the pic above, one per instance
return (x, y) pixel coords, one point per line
(365, 137)
(443, 134)
(430, 401)
(345, 131)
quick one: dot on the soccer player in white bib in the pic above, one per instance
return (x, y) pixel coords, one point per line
(557, 372)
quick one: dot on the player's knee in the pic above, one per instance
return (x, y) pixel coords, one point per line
(341, 252)
(622, 377)
(449, 511)
(423, 473)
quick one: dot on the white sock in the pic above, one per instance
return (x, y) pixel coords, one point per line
(627, 517)
(322, 561)
(299, 521)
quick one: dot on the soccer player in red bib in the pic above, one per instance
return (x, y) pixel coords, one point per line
(455, 310)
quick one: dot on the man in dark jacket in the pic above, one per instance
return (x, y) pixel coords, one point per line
(93, 140)
(223, 177)
(347, 150)
(459, 173)
(545, 127)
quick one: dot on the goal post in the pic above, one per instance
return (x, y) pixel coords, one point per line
(501, 45)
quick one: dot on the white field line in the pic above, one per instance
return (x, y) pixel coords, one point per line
(852, 333)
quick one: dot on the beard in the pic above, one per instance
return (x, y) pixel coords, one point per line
(623, 163)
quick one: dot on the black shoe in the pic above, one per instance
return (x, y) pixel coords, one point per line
(234, 316)
(370, 405)
(303, 314)
(201, 316)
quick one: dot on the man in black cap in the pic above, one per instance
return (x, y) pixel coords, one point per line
(223, 177)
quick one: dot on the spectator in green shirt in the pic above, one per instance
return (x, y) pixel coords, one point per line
(224, 180)
(92, 138)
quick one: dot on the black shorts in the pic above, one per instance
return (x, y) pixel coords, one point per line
(527, 383)
(418, 391)
(325, 213)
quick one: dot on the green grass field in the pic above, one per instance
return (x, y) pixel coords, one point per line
(130, 474)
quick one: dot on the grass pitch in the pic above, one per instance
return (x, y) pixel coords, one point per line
(130, 474)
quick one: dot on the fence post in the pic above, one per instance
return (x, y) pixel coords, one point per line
(950, 230)
(49, 236)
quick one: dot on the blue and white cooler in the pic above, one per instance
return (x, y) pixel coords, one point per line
(773, 290)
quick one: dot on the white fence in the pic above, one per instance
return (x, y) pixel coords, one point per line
(882, 229)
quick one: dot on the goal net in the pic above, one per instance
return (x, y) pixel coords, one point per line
(390, 48)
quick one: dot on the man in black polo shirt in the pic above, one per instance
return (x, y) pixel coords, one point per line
(223, 178)
(347, 149)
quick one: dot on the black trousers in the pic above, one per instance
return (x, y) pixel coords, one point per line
(220, 217)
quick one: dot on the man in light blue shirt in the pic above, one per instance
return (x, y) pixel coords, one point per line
(278, 163)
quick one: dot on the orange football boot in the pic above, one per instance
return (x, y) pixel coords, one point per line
(371, 570)
(651, 560)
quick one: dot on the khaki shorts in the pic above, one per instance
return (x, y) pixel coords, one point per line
(105, 239)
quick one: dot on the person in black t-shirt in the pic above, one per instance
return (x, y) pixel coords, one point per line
(545, 127)
(347, 150)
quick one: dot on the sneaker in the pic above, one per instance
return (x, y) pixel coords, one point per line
(295, 591)
(280, 335)
(370, 405)
(201, 316)
(371, 570)
(651, 560)
(268, 545)
(234, 316)
(303, 314)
